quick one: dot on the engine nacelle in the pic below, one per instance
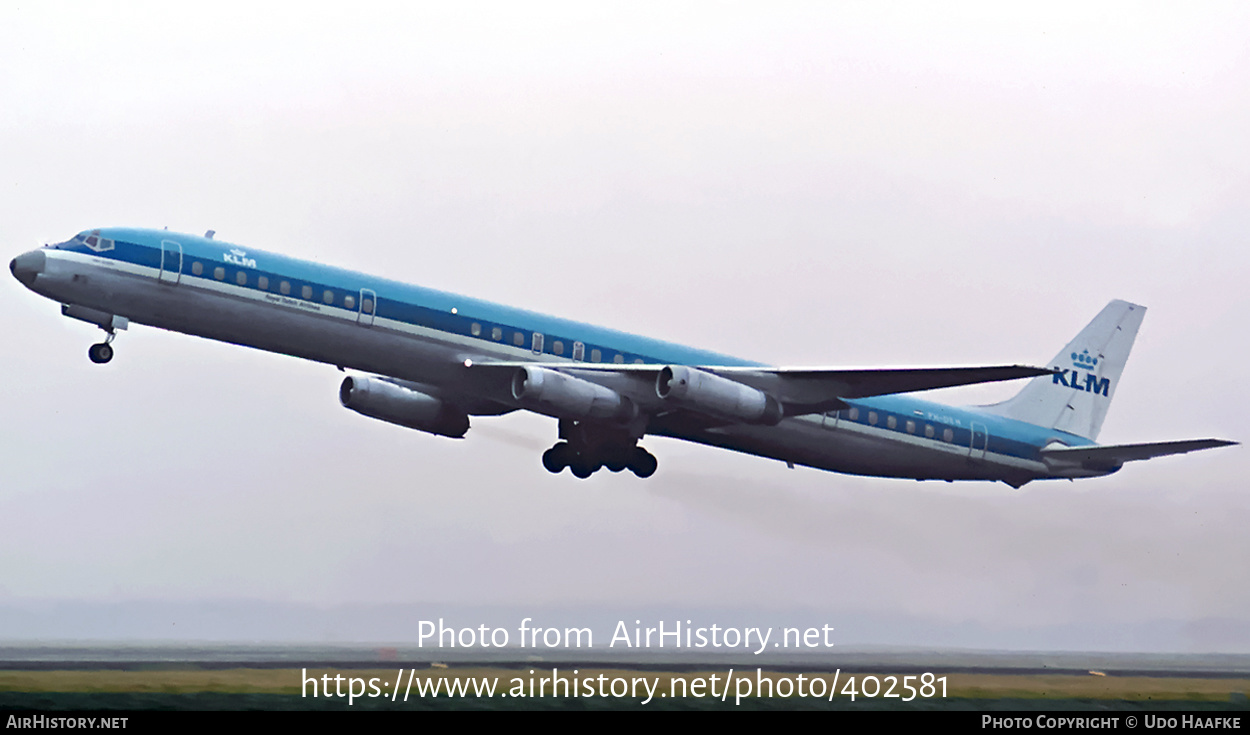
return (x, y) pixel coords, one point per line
(383, 400)
(713, 395)
(564, 396)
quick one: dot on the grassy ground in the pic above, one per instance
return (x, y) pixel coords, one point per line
(208, 689)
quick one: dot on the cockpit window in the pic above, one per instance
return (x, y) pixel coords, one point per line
(91, 240)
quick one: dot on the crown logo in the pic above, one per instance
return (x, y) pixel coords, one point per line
(240, 253)
(1084, 360)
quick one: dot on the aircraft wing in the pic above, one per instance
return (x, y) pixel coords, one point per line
(798, 386)
(1115, 454)
(806, 390)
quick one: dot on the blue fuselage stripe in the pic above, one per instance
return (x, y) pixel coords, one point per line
(402, 302)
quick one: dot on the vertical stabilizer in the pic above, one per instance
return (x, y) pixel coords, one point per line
(1076, 398)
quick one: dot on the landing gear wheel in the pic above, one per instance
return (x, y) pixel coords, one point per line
(643, 463)
(617, 458)
(100, 353)
(582, 469)
(557, 458)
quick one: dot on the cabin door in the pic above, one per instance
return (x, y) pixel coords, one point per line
(171, 262)
(368, 307)
(980, 441)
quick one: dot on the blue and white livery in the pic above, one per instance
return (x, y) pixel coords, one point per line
(430, 360)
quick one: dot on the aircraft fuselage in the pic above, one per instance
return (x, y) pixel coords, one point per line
(431, 339)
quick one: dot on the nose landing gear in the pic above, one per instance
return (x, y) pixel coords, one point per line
(110, 323)
(102, 352)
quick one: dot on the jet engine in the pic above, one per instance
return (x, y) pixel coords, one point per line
(387, 401)
(713, 395)
(564, 396)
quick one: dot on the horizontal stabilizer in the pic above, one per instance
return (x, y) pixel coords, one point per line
(1114, 454)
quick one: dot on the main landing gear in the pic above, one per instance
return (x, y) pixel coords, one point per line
(588, 448)
(102, 352)
(589, 461)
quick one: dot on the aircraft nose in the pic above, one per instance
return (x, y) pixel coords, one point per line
(28, 265)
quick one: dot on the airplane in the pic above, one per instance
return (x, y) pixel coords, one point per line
(428, 360)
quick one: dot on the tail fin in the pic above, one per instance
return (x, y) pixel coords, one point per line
(1076, 398)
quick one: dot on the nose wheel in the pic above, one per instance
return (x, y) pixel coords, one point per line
(102, 352)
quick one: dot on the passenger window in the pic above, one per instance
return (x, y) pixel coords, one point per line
(928, 431)
(637, 360)
(241, 278)
(619, 359)
(911, 427)
(328, 296)
(475, 329)
(853, 415)
(219, 273)
(518, 339)
(306, 292)
(536, 346)
(891, 422)
(579, 351)
(948, 435)
(285, 288)
(366, 306)
(349, 302)
(263, 283)
(197, 268)
(557, 347)
(596, 355)
(872, 417)
(496, 334)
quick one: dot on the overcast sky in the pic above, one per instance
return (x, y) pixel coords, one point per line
(829, 184)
